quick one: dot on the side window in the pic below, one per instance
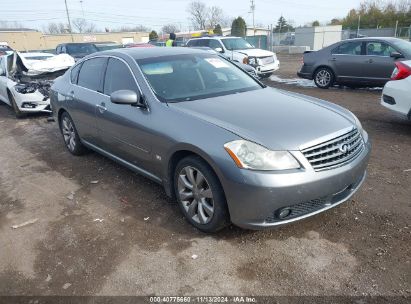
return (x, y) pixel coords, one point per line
(349, 48)
(63, 49)
(74, 74)
(118, 77)
(191, 43)
(58, 50)
(215, 44)
(203, 42)
(379, 49)
(91, 74)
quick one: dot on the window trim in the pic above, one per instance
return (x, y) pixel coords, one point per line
(105, 69)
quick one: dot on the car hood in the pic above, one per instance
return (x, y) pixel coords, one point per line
(255, 52)
(276, 119)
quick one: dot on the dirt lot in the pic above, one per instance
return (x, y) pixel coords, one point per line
(103, 230)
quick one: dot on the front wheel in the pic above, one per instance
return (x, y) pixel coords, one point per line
(200, 195)
(324, 78)
(17, 112)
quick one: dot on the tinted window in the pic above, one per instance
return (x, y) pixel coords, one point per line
(349, 48)
(379, 49)
(214, 44)
(58, 50)
(192, 43)
(118, 77)
(74, 74)
(81, 49)
(91, 73)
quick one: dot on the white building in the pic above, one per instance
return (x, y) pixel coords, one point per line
(318, 37)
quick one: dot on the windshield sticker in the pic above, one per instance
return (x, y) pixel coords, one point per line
(216, 62)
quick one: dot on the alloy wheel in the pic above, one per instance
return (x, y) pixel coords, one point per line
(195, 195)
(323, 78)
(69, 133)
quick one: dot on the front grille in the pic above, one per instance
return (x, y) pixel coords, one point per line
(335, 152)
(300, 209)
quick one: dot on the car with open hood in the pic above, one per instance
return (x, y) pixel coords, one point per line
(224, 145)
(26, 78)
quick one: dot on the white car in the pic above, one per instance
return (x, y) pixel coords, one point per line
(396, 95)
(238, 49)
(25, 80)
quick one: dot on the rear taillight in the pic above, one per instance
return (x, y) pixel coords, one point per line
(401, 71)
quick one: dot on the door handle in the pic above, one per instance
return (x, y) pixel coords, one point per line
(370, 61)
(101, 107)
(333, 59)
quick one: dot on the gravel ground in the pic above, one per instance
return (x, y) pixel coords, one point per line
(103, 230)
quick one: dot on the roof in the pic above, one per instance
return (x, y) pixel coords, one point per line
(21, 29)
(373, 38)
(142, 53)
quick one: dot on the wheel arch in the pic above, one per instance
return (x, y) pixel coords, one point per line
(177, 154)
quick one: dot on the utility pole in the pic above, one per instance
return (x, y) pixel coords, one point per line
(252, 11)
(82, 9)
(359, 23)
(69, 23)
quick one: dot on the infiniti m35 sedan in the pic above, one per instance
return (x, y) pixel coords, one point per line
(225, 146)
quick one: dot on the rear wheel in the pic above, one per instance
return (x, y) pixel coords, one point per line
(17, 112)
(200, 195)
(70, 135)
(324, 78)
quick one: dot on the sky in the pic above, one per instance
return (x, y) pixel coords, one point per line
(155, 13)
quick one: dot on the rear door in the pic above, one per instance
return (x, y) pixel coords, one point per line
(123, 129)
(85, 95)
(380, 64)
(348, 61)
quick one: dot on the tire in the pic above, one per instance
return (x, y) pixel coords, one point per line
(70, 135)
(17, 112)
(324, 78)
(200, 195)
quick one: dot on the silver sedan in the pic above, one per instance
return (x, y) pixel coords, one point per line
(225, 146)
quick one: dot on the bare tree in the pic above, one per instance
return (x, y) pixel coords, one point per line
(10, 25)
(81, 25)
(169, 28)
(215, 16)
(136, 28)
(198, 14)
(56, 28)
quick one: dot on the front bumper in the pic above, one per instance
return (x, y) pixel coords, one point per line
(256, 198)
(268, 68)
(395, 97)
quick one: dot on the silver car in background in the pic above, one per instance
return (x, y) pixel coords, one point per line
(227, 147)
(355, 62)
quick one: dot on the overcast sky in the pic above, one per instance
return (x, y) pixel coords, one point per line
(155, 13)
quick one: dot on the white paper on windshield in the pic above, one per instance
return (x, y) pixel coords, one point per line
(216, 62)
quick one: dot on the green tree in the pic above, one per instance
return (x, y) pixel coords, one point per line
(315, 23)
(217, 30)
(238, 27)
(153, 35)
(283, 26)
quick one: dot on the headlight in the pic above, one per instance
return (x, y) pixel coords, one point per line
(251, 60)
(249, 155)
(25, 89)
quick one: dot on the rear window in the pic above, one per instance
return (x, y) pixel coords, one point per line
(349, 48)
(91, 74)
(74, 74)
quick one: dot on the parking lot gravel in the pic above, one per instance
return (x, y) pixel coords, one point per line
(92, 227)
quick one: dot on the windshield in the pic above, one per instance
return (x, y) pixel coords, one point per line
(236, 44)
(190, 77)
(405, 46)
(81, 48)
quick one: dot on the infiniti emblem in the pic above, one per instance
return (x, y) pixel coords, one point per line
(344, 148)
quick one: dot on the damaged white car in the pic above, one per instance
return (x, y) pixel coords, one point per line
(26, 78)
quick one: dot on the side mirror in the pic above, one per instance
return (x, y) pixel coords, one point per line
(396, 55)
(220, 50)
(127, 97)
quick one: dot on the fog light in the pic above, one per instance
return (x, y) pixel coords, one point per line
(283, 213)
